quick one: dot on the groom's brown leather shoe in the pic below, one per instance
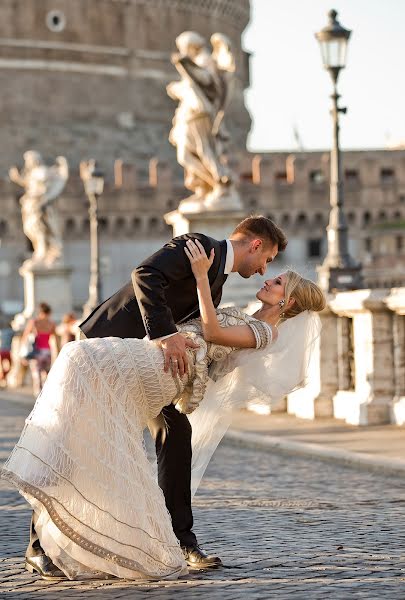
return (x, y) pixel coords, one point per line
(43, 565)
(197, 559)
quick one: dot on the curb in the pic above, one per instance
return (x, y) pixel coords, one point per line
(368, 462)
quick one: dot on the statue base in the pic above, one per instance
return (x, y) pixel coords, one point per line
(222, 199)
(218, 224)
(45, 284)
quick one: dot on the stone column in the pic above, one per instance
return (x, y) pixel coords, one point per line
(328, 365)
(370, 400)
(396, 302)
(345, 354)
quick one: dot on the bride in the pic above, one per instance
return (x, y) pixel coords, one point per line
(81, 461)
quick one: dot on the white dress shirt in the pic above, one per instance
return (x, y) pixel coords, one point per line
(230, 258)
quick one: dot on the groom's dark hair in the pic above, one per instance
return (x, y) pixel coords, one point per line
(263, 228)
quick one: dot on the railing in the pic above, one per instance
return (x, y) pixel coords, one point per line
(362, 360)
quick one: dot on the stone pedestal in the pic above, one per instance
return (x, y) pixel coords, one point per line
(219, 224)
(44, 284)
(47, 284)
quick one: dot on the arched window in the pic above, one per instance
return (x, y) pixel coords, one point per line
(3, 228)
(154, 224)
(120, 225)
(316, 177)
(70, 226)
(103, 224)
(366, 218)
(285, 220)
(136, 224)
(301, 220)
(382, 215)
(351, 218)
(318, 220)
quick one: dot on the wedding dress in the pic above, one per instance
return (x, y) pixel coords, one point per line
(81, 461)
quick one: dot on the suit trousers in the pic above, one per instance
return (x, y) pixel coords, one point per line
(34, 547)
(171, 431)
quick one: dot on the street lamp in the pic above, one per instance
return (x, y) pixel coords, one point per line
(93, 181)
(339, 270)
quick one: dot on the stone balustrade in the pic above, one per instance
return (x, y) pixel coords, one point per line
(361, 374)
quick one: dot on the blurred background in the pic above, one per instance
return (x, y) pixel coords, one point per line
(83, 91)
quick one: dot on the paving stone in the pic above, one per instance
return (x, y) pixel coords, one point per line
(284, 527)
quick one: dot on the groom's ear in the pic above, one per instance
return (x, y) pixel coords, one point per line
(255, 244)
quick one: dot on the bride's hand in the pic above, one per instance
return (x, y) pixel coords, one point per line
(200, 263)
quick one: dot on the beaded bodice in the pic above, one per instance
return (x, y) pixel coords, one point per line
(189, 398)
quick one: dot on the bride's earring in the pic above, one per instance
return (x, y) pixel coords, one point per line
(281, 304)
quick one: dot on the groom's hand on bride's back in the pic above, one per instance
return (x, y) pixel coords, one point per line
(174, 350)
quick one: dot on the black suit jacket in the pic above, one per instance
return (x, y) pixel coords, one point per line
(162, 293)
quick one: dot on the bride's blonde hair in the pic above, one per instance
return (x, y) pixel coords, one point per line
(307, 295)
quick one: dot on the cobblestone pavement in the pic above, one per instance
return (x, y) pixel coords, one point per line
(284, 526)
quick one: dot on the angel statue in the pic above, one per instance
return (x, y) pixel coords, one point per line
(42, 186)
(198, 131)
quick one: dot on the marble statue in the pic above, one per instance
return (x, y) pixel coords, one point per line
(198, 132)
(42, 185)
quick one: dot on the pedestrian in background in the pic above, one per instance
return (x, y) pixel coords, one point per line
(6, 337)
(39, 360)
(67, 329)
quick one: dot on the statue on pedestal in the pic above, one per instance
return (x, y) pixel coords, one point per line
(198, 131)
(42, 185)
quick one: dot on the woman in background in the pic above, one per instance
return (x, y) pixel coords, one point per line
(66, 330)
(40, 363)
(6, 337)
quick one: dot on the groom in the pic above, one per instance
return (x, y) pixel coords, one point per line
(163, 293)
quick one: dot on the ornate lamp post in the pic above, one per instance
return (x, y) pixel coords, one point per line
(93, 181)
(339, 270)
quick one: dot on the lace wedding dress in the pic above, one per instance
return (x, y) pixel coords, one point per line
(81, 461)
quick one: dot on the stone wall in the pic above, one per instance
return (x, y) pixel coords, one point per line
(293, 189)
(88, 77)
(285, 186)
